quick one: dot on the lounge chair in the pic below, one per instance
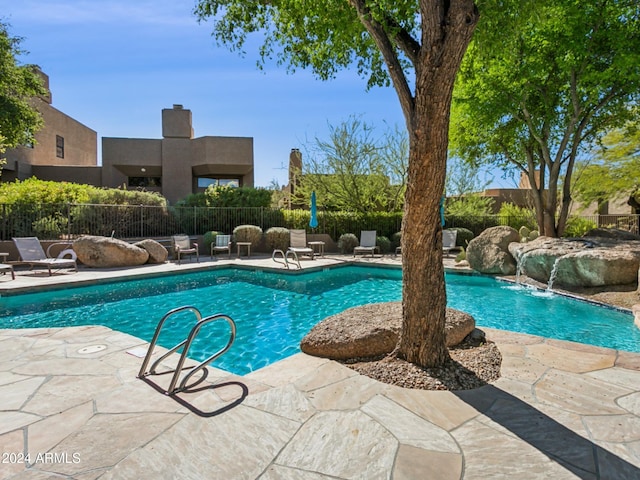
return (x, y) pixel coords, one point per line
(367, 243)
(298, 243)
(182, 246)
(32, 254)
(449, 240)
(222, 243)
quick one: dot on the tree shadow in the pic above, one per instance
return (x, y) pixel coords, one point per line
(580, 456)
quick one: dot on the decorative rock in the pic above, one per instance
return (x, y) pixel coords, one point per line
(105, 252)
(157, 253)
(588, 262)
(489, 251)
(372, 331)
(457, 326)
(612, 233)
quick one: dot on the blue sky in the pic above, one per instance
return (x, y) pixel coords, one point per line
(114, 65)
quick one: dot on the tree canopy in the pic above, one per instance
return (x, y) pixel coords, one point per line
(354, 169)
(614, 170)
(541, 83)
(415, 46)
(19, 84)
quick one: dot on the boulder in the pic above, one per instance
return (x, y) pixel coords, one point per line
(157, 253)
(536, 259)
(579, 262)
(612, 233)
(596, 268)
(105, 252)
(371, 331)
(489, 251)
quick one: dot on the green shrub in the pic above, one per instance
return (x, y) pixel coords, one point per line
(578, 226)
(517, 217)
(227, 196)
(50, 228)
(462, 255)
(347, 242)
(248, 233)
(463, 237)
(277, 238)
(384, 244)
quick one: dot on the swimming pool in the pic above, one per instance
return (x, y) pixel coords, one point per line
(274, 311)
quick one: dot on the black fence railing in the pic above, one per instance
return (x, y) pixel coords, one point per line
(56, 221)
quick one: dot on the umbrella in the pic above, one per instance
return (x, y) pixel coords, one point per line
(313, 221)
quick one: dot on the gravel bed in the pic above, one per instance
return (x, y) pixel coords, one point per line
(471, 366)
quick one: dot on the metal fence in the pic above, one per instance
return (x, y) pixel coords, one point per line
(57, 221)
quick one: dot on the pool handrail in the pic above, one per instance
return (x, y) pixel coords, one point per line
(187, 344)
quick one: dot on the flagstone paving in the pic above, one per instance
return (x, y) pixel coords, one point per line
(68, 410)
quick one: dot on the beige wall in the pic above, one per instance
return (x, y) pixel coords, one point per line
(126, 157)
(74, 174)
(80, 142)
(176, 168)
(177, 159)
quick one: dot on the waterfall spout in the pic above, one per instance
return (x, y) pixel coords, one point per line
(553, 275)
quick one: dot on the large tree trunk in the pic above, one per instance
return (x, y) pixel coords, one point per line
(447, 29)
(424, 299)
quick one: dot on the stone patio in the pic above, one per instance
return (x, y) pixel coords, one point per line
(70, 404)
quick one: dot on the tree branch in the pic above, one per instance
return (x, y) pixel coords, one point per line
(385, 45)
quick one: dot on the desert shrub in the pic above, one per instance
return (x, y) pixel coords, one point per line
(463, 237)
(248, 233)
(347, 242)
(384, 244)
(578, 226)
(277, 238)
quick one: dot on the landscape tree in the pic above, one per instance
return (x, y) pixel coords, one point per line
(614, 170)
(464, 188)
(18, 85)
(417, 47)
(541, 83)
(354, 170)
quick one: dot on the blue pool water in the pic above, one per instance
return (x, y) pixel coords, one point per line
(274, 311)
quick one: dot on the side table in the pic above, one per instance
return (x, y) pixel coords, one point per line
(244, 244)
(319, 246)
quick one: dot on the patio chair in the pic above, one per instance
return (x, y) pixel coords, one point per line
(367, 243)
(449, 240)
(222, 243)
(32, 254)
(182, 246)
(298, 243)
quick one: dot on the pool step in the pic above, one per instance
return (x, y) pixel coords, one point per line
(173, 389)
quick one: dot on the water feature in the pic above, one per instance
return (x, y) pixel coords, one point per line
(553, 275)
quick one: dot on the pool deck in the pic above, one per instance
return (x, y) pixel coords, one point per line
(70, 402)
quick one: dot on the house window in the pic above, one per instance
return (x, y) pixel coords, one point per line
(204, 182)
(145, 182)
(59, 146)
